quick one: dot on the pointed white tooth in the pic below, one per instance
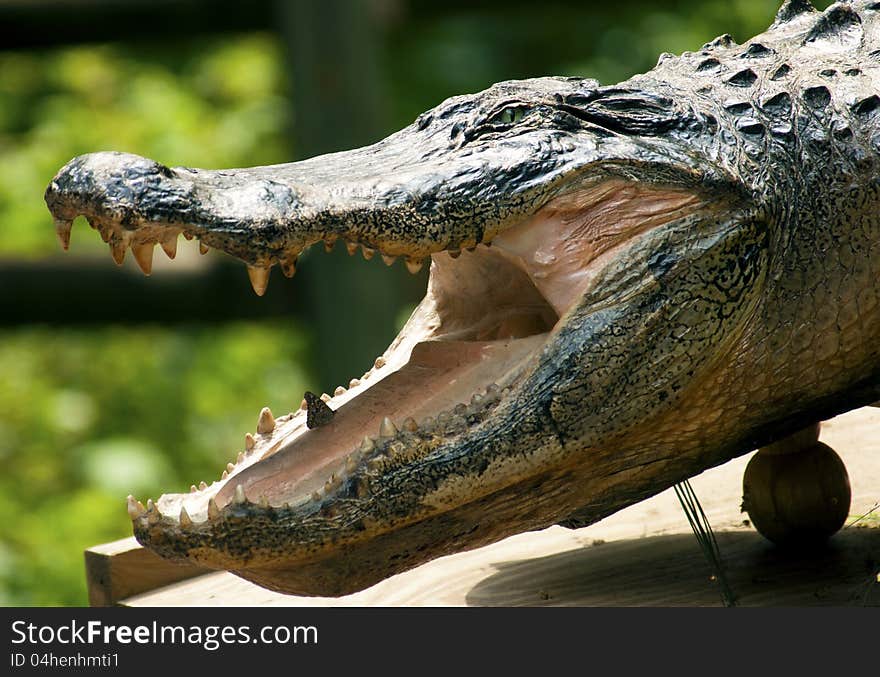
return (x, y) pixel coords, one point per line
(339, 391)
(202, 485)
(316, 496)
(224, 474)
(143, 255)
(249, 442)
(239, 494)
(410, 424)
(185, 521)
(135, 507)
(193, 488)
(203, 248)
(388, 260)
(266, 422)
(152, 512)
(351, 247)
(367, 445)
(62, 229)
(230, 467)
(354, 383)
(117, 250)
(259, 276)
(325, 398)
(413, 265)
(240, 457)
(169, 245)
(387, 428)
(367, 252)
(213, 510)
(303, 405)
(379, 363)
(264, 502)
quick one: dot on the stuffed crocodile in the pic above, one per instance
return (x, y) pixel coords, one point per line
(628, 284)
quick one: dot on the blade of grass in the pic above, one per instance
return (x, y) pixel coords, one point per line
(696, 517)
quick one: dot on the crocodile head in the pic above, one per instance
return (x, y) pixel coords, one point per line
(597, 280)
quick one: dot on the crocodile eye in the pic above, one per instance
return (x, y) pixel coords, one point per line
(511, 115)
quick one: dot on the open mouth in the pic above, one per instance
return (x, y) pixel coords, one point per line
(488, 311)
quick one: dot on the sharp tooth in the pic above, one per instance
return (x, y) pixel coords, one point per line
(224, 474)
(185, 521)
(143, 254)
(135, 507)
(351, 247)
(379, 363)
(230, 467)
(288, 266)
(62, 229)
(304, 405)
(169, 246)
(388, 260)
(266, 422)
(117, 250)
(264, 502)
(239, 494)
(203, 248)
(454, 253)
(202, 485)
(350, 463)
(413, 265)
(240, 457)
(259, 276)
(387, 428)
(339, 391)
(316, 496)
(367, 445)
(410, 424)
(354, 383)
(367, 252)
(152, 512)
(213, 510)
(249, 442)
(193, 488)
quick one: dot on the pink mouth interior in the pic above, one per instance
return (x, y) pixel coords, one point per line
(485, 318)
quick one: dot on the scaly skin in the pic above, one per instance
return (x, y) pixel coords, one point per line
(728, 298)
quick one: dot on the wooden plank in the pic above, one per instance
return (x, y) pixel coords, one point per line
(644, 555)
(123, 568)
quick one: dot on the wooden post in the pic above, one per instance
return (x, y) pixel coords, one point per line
(123, 568)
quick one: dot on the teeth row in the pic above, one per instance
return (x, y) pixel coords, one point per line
(388, 430)
(120, 240)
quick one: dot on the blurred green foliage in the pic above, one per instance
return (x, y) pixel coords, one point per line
(213, 103)
(90, 415)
